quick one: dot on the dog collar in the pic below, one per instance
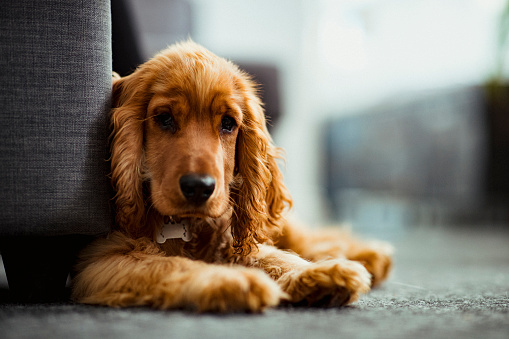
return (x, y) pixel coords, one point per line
(174, 230)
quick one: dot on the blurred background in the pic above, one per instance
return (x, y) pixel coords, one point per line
(392, 113)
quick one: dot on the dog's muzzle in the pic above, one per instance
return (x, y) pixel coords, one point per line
(197, 188)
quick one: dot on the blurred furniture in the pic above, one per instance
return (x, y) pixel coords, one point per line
(411, 159)
(55, 61)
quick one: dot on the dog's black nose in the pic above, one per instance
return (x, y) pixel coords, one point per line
(197, 188)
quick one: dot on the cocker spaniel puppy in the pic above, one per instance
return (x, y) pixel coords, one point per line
(200, 202)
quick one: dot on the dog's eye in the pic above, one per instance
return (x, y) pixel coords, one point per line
(166, 122)
(228, 124)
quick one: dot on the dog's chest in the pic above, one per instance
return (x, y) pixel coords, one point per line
(200, 241)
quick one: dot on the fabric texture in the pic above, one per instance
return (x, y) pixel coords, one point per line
(55, 80)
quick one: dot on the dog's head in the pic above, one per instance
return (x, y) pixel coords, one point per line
(190, 140)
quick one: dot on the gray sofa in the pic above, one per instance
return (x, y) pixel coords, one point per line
(430, 158)
(55, 75)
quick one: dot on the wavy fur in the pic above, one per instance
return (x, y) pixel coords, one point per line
(240, 224)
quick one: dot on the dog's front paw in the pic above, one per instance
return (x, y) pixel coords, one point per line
(376, 256)
(330, 283)
(228, 289)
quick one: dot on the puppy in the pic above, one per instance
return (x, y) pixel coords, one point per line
(201, 204)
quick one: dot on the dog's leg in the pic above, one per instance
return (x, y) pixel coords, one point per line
(316, 245)
(123, 272)
(327, 283)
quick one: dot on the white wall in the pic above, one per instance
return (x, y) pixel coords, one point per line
(339, 56)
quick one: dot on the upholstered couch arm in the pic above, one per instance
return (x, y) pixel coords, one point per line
(55, 80)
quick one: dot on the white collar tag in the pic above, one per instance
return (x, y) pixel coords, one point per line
(174, 230)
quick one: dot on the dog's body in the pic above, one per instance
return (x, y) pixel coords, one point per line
(201, 203)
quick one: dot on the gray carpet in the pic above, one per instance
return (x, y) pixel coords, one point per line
(448, 283)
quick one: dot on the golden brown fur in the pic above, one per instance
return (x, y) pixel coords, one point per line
(189, 112)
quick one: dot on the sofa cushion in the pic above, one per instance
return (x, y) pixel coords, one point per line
(55, 58)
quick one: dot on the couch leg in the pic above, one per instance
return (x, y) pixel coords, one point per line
(37, 267)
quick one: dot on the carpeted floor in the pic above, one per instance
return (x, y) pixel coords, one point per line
(448, 283)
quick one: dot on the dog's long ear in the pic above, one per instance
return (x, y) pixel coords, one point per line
(127, 117)
(261, 197)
